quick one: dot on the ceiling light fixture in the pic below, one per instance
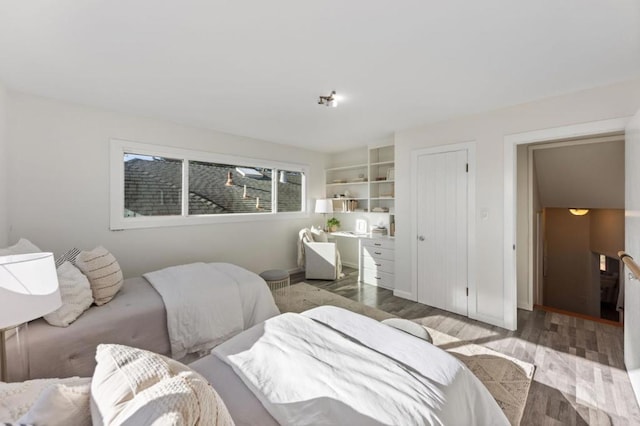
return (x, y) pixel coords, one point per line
(579, 212)
(329, 101)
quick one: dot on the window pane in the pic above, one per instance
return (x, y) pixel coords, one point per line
(290, 191)
(225, 189)
(152, 186)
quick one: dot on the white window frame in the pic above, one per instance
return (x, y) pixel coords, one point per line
(119, 147)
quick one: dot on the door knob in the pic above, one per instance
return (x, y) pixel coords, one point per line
(420, 238)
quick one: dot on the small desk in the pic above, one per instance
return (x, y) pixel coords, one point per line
(376, 258)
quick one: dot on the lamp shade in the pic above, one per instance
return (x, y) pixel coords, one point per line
(324, 206)
(28, 288)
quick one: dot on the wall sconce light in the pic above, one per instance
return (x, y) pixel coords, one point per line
(329, 101)
(579, 212)
(283, 176)
(229, 180)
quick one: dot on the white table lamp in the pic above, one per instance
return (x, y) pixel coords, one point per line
(28, 290)
(324, 206)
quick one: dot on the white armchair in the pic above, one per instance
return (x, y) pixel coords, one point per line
(319, 258)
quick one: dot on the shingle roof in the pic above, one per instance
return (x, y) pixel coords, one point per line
(153, 188)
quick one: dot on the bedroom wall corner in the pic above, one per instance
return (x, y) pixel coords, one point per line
(4, 174)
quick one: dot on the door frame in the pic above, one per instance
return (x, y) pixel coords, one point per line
(470, 147)
(511, 142)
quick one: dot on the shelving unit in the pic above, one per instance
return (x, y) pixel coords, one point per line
(364, 187)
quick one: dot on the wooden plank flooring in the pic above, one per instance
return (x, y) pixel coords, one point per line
(580, 377)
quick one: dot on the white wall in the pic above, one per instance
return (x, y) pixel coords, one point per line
(59, 189)
(489, 130)
(4, 176)
(568, 278)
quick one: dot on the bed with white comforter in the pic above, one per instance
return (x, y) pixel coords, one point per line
(177, 310)
(332, 366)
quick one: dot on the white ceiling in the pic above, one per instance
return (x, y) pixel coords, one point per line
(256, 68)
(590, 175)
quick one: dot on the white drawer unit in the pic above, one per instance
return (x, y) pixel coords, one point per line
(376, 263)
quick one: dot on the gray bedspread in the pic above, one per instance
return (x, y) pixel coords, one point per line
(135, 317)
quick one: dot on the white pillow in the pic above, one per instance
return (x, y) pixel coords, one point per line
(103, 271)
(133, 386)
(23, 246)
(319, 236)
(61, 404)
(76, 295)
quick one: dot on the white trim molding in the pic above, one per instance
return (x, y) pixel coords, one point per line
(589, 129)
(118, 148)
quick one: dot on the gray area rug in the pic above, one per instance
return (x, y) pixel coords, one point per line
(507, 379)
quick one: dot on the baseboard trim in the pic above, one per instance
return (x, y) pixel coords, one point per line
(577, 315)
(490, 320)
(404, 295)
(350, 265)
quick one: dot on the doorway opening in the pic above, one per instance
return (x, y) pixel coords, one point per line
(566, 259)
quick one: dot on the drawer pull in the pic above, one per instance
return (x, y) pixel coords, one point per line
(377, 244)
(377, 252)
(377, 278)
(378, 264)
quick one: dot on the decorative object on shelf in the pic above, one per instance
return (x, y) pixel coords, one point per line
(349, 205)
(579, 212)
(229, 180)
(28, 290)
(380, 209)
(244, 193)
(391, 173)
(333, 224)
(379, 178)
(324, 206)
(329, 101)
(361, 226)
(283, 176)
(339, 181)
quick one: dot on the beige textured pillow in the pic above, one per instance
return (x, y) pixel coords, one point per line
(103, 271)
(133, 386)
(75, 293)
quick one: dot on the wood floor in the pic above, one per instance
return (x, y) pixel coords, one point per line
(580, 377)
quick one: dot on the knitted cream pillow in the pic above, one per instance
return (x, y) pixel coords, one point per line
(103, 271)
(133, 386)
(75, 293)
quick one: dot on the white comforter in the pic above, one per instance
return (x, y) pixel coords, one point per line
(332, 366)
(207, 303)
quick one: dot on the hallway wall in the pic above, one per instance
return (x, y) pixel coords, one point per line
(571, 242)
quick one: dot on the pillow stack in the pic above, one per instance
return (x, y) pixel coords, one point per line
(84, 277)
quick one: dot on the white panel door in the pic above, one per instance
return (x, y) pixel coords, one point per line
(632, 246)
(442, 230)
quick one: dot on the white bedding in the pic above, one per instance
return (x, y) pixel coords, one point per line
(207, 303)
(304, 370)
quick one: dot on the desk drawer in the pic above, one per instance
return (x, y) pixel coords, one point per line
(380, 265)
(378, 253)
(382, 279)
(384, 243)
